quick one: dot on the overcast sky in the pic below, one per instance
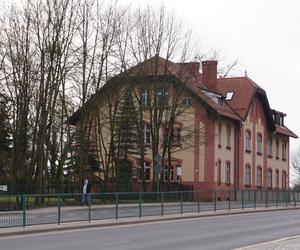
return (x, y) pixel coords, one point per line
(264, 35)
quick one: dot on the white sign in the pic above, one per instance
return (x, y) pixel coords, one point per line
(179, 171)
(3, 188)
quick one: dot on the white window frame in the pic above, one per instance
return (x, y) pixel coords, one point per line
(147, 134)
(248, 175)
(145, 97)
(259, 143)
(259, 176)
(248, 143)
(270, 146)
(228, 135)
(228, 172)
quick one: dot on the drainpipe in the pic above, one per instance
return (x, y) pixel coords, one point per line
(236, 169)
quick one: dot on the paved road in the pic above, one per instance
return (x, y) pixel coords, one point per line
(49, 215)
(226, 232)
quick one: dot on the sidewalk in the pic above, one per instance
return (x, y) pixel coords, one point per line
(16, 231)
(290, 243)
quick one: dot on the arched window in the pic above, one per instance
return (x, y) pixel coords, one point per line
(247, 175)
(277, 178)
(228, 136)
(259, 144)
(284, 150)
(277, 149)
(283, 180)
(248, 141)
(228, 172)
(270, 146)
(270, 178)
(219, 134)
(259, 176)
(219, 171)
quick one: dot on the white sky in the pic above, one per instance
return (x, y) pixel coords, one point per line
(264, 35)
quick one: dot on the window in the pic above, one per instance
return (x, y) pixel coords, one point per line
(248, 175)
(259, 144)
(248, 141)
(283, 180)
(270, 146)
(219, 171)
(284, 150)
(259, 177)
(228, 172)
(178, 166)
(147, 134)
(172, 177)
(147, 166)
(277, 178)
(187, 102)
(144, 97)
(229, 96)
(176, 135)
(228, 136)
(277, 149)
(270, 178)
(220, 134)
(162, 95)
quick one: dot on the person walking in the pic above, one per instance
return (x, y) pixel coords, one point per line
(86, 193)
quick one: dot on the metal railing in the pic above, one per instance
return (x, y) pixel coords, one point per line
(35, 209)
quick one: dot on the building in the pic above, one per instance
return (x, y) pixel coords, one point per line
(238, 141)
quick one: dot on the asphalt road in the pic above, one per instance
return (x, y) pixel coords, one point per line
(226, 232)
(49, 215)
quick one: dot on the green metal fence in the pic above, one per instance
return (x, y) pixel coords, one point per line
(34, 209)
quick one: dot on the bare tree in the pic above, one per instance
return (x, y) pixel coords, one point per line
(295, 162)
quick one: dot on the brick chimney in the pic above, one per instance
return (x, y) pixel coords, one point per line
(209, 73)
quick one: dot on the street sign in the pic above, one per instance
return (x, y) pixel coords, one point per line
(179, 171)
(3, 188)
(157, 158)
(157, 168)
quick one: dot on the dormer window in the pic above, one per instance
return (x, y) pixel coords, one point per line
(229, 96)
(187, 102)
(278, 117)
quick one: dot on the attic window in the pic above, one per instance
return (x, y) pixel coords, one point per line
(229, 96)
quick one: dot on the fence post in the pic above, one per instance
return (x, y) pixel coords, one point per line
(58, 209)
(116, 203)
(229, 200)
(286, 198)
(181, 205)
(254, 199)
(215, 201)
(90, 201)
(277, 195)
(140, 205)
(242, 199)
(267, 197)
(24, 198)
(198, 204)
(162, 204)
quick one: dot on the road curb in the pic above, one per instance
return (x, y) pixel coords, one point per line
(17, 231)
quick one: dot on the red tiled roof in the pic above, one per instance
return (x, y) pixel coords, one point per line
(285, 131)
(192, 80)
(243, 88)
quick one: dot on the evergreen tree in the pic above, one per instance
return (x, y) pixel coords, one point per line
(126, 142)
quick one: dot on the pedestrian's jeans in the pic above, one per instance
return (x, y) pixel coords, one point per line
(86, 199)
